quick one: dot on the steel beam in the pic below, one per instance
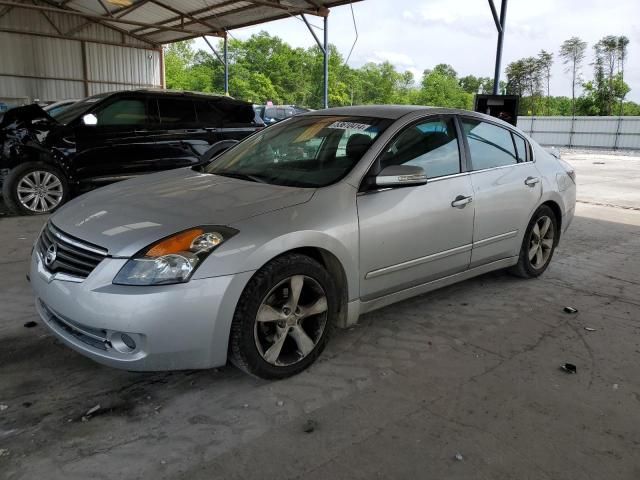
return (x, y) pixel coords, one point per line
(106, 21)
(326, 61)
(226, 65)
(324, 48)
(503, 17)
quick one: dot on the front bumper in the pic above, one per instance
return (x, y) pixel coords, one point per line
(174, 327)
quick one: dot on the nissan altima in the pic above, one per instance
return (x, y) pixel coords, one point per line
(298, 229)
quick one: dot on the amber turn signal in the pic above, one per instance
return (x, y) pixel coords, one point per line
(177, 243)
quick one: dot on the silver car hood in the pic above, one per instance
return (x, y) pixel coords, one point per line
(127, 216)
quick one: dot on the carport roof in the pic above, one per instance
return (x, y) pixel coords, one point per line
(166, 21)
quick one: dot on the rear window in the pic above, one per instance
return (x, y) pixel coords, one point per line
(521, 147)
(490, 145)
(224, 112)
(174, 111)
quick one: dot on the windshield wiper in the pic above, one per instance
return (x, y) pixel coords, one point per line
(240, 176)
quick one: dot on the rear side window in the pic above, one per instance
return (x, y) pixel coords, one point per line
(490, 146)
(521, 147)
(126, 111)
(225, 113)
(431, 145)
(176, 111)
(208, 115)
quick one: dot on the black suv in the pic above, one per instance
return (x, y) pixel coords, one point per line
(111, 137)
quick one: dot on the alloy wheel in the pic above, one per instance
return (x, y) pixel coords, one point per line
(291, 320)
(40, 191)
(541, 242)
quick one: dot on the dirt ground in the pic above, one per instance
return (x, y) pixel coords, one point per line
(470, 371)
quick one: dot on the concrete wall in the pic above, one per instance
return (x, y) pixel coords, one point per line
(587, 132)
(63, 56)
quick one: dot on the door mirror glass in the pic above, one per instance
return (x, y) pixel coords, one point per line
(401, 176)
(89, 119)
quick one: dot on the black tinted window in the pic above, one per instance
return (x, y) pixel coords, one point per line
(176, 110)
(490, 146)
(521, 148)
(431, 145)
(126, 111)
(225, 113)
(208, 115)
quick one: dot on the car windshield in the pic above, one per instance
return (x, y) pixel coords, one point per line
(74, 110)
(307, 151)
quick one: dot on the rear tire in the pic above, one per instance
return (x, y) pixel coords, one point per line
(539, 243)
(35, 188)
(284, 318)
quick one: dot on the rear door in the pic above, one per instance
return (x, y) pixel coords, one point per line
(507, 188)
(118, 146)
(180, 139)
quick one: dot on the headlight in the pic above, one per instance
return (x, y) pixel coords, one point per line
(173, 259)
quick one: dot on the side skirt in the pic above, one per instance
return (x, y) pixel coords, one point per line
(357, 308)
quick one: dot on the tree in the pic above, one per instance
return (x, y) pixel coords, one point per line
(572, 52)
(441, 89)
(545, 61)
(524, 77)
(178, 57)
(622, 56)
(608, 81)
(265, 68)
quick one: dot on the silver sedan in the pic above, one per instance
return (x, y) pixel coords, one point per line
(302, 227)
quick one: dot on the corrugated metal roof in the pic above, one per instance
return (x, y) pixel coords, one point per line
(165, 21)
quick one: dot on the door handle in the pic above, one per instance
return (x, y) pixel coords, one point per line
(531, 181)
(461, 201)
(141, 131)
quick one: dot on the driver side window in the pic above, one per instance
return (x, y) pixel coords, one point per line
(432, 145)
(126, 111)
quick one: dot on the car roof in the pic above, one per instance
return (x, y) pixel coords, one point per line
(394, 112)
(187, 93)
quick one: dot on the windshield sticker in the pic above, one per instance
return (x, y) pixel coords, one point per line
(349, 126)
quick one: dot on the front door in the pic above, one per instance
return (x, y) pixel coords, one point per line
(117, 145)
(412, 235)
(507, 189)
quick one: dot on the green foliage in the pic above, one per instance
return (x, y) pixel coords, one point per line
(265, 68)
(441, 89)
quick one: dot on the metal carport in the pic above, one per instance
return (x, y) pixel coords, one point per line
(82, 47)
(109, 44)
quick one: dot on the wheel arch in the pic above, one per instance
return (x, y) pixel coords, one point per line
(332, 264)
(555, 207)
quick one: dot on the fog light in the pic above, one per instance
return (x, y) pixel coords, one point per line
(123, 343)
(128, 341)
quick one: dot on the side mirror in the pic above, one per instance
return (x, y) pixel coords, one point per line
(401, 176)
(89, 119)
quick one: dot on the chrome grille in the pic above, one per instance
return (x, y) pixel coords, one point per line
(72, 256)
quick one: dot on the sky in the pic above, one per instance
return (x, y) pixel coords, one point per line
(418, 34)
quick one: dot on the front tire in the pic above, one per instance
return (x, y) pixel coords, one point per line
(34, 188)
(284, 317)
(539, 243)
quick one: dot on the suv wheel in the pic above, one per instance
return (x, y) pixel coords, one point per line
(34, 188)
(283, 318)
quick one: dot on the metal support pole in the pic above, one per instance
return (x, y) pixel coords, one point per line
(326, 61)
(225, 56)
(324, 47)
(503, 16)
